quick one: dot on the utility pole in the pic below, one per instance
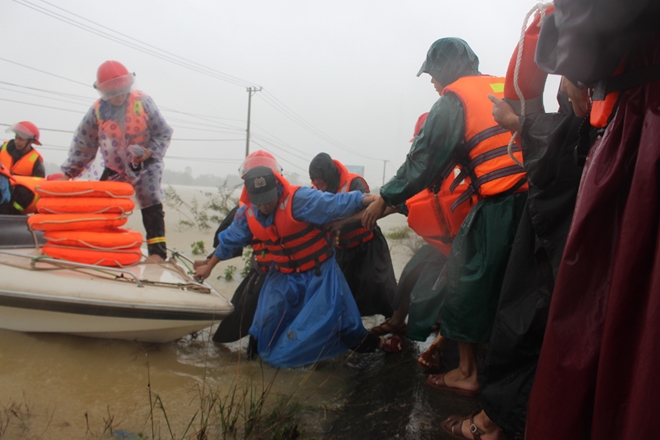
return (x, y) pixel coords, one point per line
(384, 165)
(251, 91)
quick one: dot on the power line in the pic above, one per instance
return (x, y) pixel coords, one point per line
(183, 62)
(113, 35)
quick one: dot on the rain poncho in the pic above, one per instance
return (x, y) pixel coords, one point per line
(367, 267)
(597, 376)
(418, 285)
(548, 143)
(480, 251)
(115, 152)
(302, 317)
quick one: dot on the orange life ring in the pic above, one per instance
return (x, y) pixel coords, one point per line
(67, 222)
(108, 239)
(84, 188)
(85, 205)
(90, 256)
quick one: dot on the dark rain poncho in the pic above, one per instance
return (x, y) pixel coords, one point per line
(367, 267)
(548, 143)
(597, 376)
(480, 251)
(245, 299)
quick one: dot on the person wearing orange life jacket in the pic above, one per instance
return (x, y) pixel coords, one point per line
(18, 155)
(306, 312)
(363, 255)
(237, 324)
(133, 137)
(5, 190)
(25, 165)
(460, 129)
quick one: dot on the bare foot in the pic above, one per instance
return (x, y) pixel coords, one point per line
(155, 258)
(431, 359)
(462, 380)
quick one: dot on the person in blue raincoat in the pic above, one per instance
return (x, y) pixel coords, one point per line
(306, 312)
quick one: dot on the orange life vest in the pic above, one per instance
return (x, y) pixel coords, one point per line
(30, 183)
(353, 234)
(135, 131)
(603, 103)
(484, 156)
(24, 165)
(295, 246)
(430, 214)
(259, 250)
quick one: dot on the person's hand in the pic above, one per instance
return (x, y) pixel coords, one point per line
(145, 156)
(199, 263)
(373, 212)
(203, 272)
(578, 96)
(504, 114)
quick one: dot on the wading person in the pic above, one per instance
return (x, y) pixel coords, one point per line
(460, 129)
(363, 255)
(306, 312)
(133, 137)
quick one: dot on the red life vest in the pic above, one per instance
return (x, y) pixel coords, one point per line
(295, 246)
(24, 165)
(259, 250)
(353, 234)
(484, 156)
(430, 214)
(135, 127)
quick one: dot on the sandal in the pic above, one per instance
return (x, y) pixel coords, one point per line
(393, 344)
(386, 328)
(431, 359)
(453, 426)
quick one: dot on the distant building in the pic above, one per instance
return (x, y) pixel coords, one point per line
(357, 169)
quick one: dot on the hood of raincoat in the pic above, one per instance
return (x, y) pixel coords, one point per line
(449, 59)
(322, 167)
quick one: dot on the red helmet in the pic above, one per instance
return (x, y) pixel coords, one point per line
(27, 130)
(419, 124)
(259, 158)
(112, 79)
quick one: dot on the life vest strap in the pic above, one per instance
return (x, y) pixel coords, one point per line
(317, 256)
(293, 250)
(283, 240)
(492, 154)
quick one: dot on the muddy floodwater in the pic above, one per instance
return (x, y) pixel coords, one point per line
(56, 386)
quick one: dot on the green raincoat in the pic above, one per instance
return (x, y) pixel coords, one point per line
(480, 251)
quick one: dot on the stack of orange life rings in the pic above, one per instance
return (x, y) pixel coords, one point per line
(81, 222)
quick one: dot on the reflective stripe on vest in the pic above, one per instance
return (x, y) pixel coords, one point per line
(353, 234)
(295, 246)
(484, 155)
(30, 183)
(23, 166)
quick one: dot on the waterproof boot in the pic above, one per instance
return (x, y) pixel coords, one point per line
(153, 219)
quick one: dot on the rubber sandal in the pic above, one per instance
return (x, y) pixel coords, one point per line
(453, 426)
(438, 381)
(431, 359)
(393, 344)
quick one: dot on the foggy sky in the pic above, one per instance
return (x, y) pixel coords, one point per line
(345, 70)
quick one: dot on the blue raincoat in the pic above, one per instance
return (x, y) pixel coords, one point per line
(302, 317)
